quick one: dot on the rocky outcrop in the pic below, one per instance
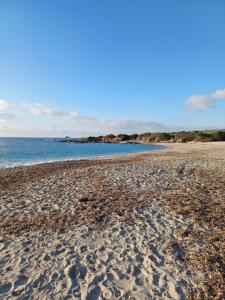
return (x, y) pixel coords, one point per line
(111, 138)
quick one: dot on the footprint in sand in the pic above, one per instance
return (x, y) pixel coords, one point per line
(93, 290)
(139, 281)
(94, 293)
(19, 285)
(155, 279)
(72, 273)
(21, 280)
(5, 288)
(75, 273)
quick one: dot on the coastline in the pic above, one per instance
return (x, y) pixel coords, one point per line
(140, 225)
(75, 157)
(167, 148)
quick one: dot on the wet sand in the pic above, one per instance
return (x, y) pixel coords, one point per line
(146, 226)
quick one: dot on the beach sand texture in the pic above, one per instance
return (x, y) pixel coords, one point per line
(147, 226)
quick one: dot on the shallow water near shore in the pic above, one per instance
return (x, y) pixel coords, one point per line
(28, 151)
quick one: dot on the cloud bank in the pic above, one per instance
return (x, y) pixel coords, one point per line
(53, 121)
(68, 122)
(92, 125)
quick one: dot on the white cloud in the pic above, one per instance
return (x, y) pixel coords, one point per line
(4, 104)
(69, 123)
(74, 116)
(86, 124)
(219, 94)
(6, 120)
(199, 103)
(41, 110)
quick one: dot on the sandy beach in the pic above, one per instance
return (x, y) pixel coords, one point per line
(144, 226)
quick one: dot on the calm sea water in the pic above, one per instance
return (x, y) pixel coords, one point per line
(26, 151)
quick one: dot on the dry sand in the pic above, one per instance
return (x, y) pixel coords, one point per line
(147, 226)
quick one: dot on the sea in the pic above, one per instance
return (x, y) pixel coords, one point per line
(28, 151)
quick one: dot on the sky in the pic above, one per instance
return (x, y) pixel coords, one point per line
(94, 67)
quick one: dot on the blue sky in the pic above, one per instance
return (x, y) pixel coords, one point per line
(95, 67)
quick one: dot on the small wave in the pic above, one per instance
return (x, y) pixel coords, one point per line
(40, 162)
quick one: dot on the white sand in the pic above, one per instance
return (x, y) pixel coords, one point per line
(123, 260)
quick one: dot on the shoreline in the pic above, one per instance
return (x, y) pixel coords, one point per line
(142, 225)
(87, 158)
(167, 147)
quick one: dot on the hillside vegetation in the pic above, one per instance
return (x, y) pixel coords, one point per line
(167, 137)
